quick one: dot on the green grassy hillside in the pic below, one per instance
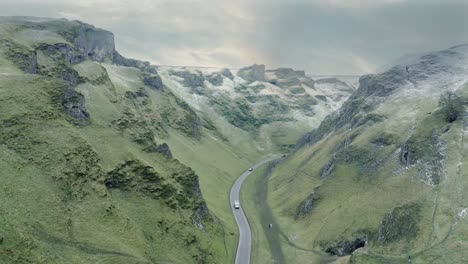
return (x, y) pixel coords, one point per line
(384, 178)
(105, 159)
(85, 174)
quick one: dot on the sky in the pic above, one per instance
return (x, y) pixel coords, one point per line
(322, 37)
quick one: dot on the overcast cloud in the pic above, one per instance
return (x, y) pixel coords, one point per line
(319, 36)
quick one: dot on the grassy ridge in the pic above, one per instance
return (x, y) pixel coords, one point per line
(362, 182)
(81, 192)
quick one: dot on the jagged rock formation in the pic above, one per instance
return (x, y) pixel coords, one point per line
(263, 103)
(154, 81)
(253, 73)
(92, 42)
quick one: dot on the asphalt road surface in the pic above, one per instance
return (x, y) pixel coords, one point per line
(244, 247)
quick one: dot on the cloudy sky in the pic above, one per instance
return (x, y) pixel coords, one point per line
(319, 36)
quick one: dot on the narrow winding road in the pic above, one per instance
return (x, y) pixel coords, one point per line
(244, 247)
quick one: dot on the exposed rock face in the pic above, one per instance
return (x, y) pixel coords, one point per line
(69, 53)
(164, 149)
(306, 206)
(215, 79)
(68, 74)
(407, 156)
(145, 66)
(331, 81)
(346, 247)
(201, 215)
(227, 73)
(192, 80)
(382, 84)
(286, 73)
(27, 62)
(74, 104)
(154, 81)
(98, 44)
(328, 168)
(253, 73)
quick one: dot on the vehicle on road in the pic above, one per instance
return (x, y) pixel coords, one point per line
(236, 204)
(250, 169)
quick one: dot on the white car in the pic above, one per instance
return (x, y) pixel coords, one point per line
(236, 204)
(250, 169)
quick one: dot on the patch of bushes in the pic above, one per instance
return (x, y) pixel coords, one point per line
(400, 223)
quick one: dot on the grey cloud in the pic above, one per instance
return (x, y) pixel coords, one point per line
(320, 36)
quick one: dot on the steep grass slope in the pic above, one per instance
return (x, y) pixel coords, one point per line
(84, 178)
(384, 178)
(105, 159)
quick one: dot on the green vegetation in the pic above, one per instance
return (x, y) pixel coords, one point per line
(401, 223)
(382, 175)
(238, 113)
(97, 191)
(266, 248)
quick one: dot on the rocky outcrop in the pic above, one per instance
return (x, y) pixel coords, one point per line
(92, 42)
(306, 206)
(154, 81)
(287, 73)
(27, 62)
(74, 104)
(193, 80)
(68, 53)
(144, 66)
(164, 149)
(253, 73)
(227, 73)
(215, 79)
(331, 80)
(328, 168)
(407, 154)
(346, 247)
